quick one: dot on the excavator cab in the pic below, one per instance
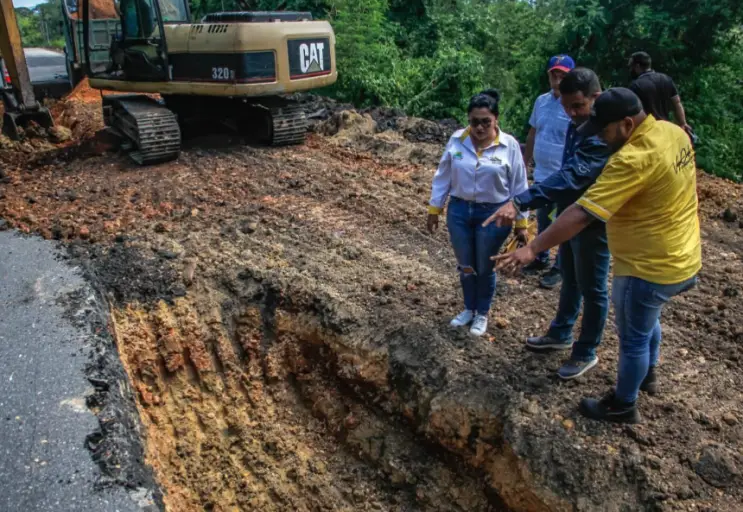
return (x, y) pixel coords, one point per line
(139, 51)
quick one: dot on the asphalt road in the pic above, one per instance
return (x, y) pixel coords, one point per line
(45, 65)
(44, 420)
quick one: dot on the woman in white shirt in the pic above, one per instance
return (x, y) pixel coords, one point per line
(481, 169)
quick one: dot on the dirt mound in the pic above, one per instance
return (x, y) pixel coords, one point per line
(422, 130)
(720, 199)
(83, 92)
(360, 132)
(309, 364)
(320, 109)
(80, 111)
(99, 10)
(34, 141)
(351, 123)
(414, 129)
(81, 120)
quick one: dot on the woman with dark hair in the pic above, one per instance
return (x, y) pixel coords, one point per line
(481, 169)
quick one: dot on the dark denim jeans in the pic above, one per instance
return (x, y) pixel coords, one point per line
(473, 246)
(584, 265)
(637, 306)
(543, 222)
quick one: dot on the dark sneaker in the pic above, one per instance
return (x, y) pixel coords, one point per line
(547, 343)
(610, 408)
(536, 266)
(550, 279)
(650, 383)
(573, 369)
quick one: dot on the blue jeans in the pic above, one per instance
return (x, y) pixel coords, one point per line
(638, 305)
(584, 265)
(473, 246)
(543, 222)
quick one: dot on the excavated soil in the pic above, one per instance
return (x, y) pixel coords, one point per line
(99, 10)
(282, 315)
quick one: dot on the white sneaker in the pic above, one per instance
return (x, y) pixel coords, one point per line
(479, 325)
(463, 318)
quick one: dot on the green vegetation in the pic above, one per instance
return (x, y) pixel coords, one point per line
(429, 56)
(41, 26)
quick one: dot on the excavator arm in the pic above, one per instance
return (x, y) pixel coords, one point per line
(19, 101)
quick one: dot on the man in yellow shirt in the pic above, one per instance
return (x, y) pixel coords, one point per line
(647, 197)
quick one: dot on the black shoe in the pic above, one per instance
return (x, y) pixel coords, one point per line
(610, 408)
(572, 369)
(551, 279)
(547, 343)
(650, 383)
(536, 266)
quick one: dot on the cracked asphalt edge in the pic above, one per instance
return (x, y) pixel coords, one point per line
(59, 307)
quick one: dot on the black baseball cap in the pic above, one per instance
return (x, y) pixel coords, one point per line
(613, 105)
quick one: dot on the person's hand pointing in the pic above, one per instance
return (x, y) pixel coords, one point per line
(512, 262)
(505, 216)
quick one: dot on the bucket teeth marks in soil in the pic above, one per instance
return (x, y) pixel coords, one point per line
(265, 444)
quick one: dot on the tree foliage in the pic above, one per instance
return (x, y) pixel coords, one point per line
(42, 25)
(429, 56)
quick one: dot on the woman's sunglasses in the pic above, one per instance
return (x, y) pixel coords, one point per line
(485, 122)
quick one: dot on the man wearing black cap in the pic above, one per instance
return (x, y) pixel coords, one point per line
(647, 197)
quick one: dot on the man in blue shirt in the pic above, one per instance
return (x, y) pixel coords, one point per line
(545, 145)
(584, 260)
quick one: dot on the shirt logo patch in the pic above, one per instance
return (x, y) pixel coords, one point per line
(458, 155)
(683, 159)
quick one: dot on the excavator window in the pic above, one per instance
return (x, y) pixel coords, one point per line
(138, 19)
(174, 11)
(136, 51)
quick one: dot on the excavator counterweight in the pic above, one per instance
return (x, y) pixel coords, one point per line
(19, 101)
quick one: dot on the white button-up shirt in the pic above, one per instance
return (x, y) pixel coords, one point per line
(494, 175)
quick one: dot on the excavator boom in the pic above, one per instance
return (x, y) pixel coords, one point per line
(19, 101)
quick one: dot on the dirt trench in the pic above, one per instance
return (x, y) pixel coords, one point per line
(281, 314)
(271, 396)
(253, 404)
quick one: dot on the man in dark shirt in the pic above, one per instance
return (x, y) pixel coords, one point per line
(584, 260)
(657, 91)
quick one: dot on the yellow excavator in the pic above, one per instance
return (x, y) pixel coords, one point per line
(233, 67)
(20, 106)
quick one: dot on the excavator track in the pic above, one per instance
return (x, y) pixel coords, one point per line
(289, 125)
(272, 121)
(149, 127)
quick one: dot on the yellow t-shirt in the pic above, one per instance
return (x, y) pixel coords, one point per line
(647, 195)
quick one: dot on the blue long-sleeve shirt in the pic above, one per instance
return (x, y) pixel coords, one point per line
(583, 160)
